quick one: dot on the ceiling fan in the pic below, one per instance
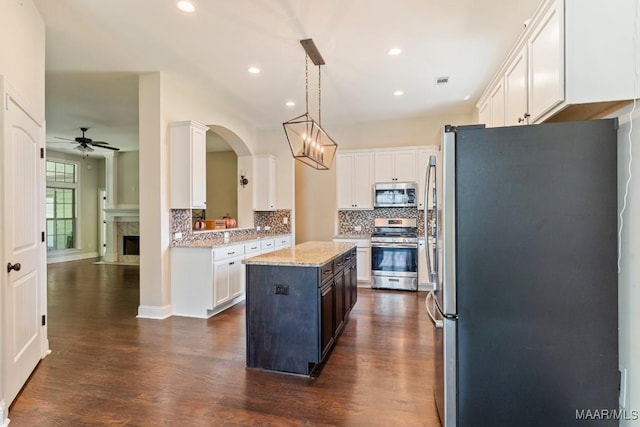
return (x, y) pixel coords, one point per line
(85, 145)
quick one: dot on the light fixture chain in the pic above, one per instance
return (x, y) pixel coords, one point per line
(306, 82)
(319, 98)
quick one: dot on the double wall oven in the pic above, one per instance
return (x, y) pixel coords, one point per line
(394, 254)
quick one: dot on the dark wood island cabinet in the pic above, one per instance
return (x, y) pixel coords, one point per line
(298, 301)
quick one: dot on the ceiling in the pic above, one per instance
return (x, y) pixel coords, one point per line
(95, 49)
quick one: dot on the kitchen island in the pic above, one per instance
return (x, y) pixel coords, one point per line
(298, 301)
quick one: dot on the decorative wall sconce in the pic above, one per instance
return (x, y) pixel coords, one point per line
(310, 143)
(243, 181)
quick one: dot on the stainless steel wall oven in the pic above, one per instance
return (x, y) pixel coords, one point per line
(394, 254)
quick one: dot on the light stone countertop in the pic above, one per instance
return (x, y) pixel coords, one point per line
(360, 236)
(232, 241)
(308, 254)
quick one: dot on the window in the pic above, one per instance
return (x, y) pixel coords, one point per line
(62, 187)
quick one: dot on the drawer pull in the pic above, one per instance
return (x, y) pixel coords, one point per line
(231, 263)
(326, 272)
(230, 253)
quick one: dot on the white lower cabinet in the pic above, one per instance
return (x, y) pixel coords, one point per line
(228, 280)
(268, 245)
(206, 281)
(363, 261)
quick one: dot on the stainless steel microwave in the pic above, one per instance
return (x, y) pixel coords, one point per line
(395, 195)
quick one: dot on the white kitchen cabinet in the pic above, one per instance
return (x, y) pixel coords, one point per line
(497, 104)
(484, 112)
(422, 159)
(515, 90)
(188, 170)
(546, 65)
(267, 245)
(282, 242)
(574, 60)
(354, 180)
(228, 277)
(264, 195)
(363, 257)
(395, 165)
(206, 281)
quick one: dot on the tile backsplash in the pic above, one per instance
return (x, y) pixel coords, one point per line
(181, 222)
(273, 219)
(348, 220)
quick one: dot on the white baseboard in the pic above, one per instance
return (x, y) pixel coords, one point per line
(153, 312)
(53, 259)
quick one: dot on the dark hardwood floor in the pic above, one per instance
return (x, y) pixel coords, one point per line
(107, 367)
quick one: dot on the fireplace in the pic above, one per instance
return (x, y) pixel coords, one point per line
(130, 245)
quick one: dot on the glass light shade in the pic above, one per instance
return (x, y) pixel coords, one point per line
(309, 143)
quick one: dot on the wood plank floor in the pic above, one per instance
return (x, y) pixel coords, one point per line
(107, 367)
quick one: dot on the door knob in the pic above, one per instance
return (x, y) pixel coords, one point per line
(15, 267)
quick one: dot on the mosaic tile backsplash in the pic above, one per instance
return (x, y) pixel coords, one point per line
(181, 222)
(348, 220)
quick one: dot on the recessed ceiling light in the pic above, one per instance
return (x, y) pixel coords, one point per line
(254, 70)
(395, 51)
(466, 98)
(290, 104)
(186, 6)
(398, 93)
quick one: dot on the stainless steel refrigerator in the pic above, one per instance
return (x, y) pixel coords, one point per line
(525, 299)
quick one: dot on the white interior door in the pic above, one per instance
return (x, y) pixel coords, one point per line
(22, 225)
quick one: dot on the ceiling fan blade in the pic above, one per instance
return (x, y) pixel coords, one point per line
(66, 139)
(108, 148)
(99, 143)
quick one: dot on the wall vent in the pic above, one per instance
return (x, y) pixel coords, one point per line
(442, 80)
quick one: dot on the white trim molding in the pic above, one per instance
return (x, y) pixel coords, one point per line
(154, 312)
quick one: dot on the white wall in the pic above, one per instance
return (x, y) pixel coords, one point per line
(629, 275)
(128, 178)
(22, 41)
(162, 100)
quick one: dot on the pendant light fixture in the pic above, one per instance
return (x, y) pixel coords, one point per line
(309, 143)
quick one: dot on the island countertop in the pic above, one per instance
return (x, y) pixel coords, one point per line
(309, 254)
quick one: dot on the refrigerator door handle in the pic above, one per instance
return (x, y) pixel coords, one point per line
(439, 324)
(431, 230)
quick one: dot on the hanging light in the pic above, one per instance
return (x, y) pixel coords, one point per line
(84, 149)
(309, 143)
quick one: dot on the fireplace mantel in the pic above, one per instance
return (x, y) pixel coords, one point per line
(120, 220)
(122, 213)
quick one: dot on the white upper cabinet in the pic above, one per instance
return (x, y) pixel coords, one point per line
(572, 62)
(395, 166)
(546, 65)
(515, 90)
(354, 178)
(497, 104)
(264, 196)
(484, 112)
(188, 170)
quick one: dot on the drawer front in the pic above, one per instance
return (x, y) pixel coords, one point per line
(252, 248)
(338, 263)
(326, 272)
(267, 244)
(228, 252)
(283, 241)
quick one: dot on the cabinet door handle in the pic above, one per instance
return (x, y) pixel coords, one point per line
(326, 272)
(231, 263)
